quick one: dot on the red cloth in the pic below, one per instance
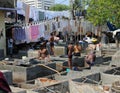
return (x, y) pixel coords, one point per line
(3, 84)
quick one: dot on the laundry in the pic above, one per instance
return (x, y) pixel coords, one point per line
(19, 34)
(34, 32)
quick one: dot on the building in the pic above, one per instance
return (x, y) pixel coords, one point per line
(5, 6)
(41, 4)
(48, 3)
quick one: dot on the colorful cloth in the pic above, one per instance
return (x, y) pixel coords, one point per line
(34, 32)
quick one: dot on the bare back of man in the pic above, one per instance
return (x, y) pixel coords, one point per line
(89, 59)
(70, 52)
(43, 54)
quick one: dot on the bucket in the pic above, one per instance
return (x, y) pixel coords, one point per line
(68, 70)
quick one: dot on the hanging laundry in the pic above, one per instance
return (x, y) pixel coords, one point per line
(20, 8)
(19, 35)
(47, 32)
(48, 27)
(53, 26)
(32, 12)
(36, 13)
(41, 30)
(45, 27)
(72, 23)
(28, 34)
(23, 33)
(50, 24)
(34, 33)
(47, 35)
(58, 24)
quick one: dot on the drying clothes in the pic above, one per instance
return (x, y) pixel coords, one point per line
(34, 33)
(48, 27)
(74, 28)
(23, 33)
(47, 35)
(58, 24)
(28, 34)
(72, 23)
(41, 30)
(51, 29)
(36, 17)
(32, 12)
(45, 27)
(20, 8)
(53, 26)
(19, 34)
(47, 32)
(62, 24)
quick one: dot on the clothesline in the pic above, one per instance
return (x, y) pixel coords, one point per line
(35, 30)
(33, 12)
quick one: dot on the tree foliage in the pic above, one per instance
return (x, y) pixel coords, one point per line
(101, 11)
(80, 4)
(59, 7)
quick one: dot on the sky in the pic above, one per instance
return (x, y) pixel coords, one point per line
(62, 2)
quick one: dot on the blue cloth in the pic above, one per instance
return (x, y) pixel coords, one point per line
(19, 34)
(111, 26)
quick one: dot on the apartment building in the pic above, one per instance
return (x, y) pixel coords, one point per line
(41, 4)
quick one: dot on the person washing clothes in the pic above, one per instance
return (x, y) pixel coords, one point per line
(43, 53)
(77, 49)
(70, 54)
(90, 59)
(51, 40)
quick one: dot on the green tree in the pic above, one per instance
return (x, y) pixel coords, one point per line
(59, 7)
(101, 11)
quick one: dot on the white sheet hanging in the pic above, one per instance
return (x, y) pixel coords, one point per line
(21, 11)
(41, 30)
(27, 32)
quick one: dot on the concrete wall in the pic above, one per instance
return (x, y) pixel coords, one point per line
(2, 38)
(8, 76)
(18, 72)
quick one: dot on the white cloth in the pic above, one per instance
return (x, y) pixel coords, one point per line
(32, 12)
(27, 33)
(114, 32)
(36, 13)
(21, 11)
(88, 39)
(41, 30)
